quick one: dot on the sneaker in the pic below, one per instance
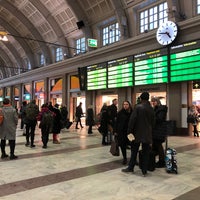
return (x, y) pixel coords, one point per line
(13, 157)
(4, 156)
(126, 170)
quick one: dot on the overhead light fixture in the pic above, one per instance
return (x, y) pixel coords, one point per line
(3, 36)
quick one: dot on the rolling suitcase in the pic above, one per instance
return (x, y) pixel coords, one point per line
(170, 159)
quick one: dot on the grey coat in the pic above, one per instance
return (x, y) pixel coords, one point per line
(141, 122)
(9, 126)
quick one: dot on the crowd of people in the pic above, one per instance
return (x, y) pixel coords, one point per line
(144, 121)
(51, 120)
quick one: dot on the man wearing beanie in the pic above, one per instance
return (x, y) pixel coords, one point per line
(140, 125)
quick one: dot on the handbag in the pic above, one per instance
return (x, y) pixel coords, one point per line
(191, 119)
(114, 148)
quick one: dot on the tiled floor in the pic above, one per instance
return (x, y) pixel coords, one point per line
(80, 168)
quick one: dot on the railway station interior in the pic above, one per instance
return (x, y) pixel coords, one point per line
(91, 52)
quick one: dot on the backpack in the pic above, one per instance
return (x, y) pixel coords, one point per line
(31, 111)
(47, 118)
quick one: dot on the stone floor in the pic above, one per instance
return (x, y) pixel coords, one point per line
(80, 168)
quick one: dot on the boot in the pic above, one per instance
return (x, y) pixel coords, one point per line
(4, 155)
(3, 152)
(12, 150)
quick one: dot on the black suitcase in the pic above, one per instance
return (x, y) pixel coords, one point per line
(69, 124)
(151, 164)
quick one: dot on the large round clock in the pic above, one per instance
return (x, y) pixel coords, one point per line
(167, 33)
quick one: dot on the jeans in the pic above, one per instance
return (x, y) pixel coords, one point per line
(30, 131)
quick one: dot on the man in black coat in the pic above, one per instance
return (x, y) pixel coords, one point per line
(112, 112)
(79, 114)
(140, 125)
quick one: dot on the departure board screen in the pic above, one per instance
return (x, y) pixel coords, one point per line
(97, 77)
(185, 62)
(151, 67)
(120, 72)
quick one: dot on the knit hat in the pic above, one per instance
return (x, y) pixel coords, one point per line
(144, 96)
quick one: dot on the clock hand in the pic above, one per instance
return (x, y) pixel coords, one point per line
(163, 33)
(168, 35)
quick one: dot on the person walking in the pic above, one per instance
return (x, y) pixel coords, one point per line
(46, 119)
(79, 114)
(90, 119)
(159, 130)
(8, 129)
(120, 130)
(22, 116)
(140, 126)
(31, 113)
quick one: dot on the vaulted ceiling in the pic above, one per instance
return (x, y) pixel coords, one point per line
(34, 26)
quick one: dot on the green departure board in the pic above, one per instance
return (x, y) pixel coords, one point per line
(97, 77)
(120, 72)
(185, 62)
(151, 67)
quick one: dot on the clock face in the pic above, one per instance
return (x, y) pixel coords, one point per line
(167, 33)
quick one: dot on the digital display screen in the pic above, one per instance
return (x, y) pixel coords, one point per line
(97, 77)
(120, 72)
(185, 62)
(151, 67)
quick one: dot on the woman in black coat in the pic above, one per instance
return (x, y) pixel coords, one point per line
(121, 127)
(159, 130)
(104, 121)
(56, 124)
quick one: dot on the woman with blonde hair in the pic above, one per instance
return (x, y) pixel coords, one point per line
(194, 114)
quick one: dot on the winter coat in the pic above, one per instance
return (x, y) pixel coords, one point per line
(112, 113)
(159, 130)
(104, 121)
(79, 111)
(121, 126)
(9, 126)
(56, 121)
(90, 117)
(141, 122)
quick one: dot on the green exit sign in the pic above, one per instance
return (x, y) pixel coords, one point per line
(92, 43)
